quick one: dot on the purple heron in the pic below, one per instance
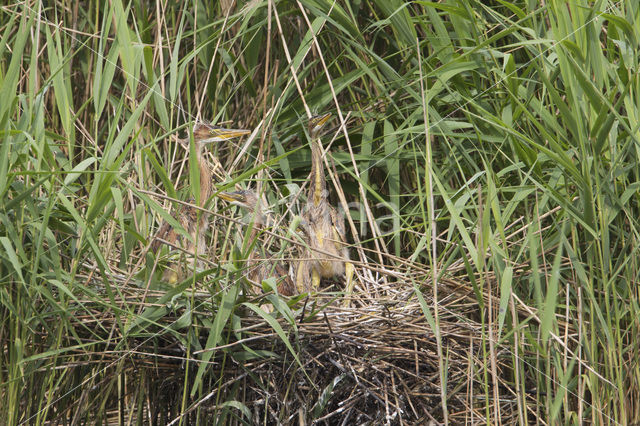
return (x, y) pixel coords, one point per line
(258, 267)
(327, 253)
(195, 224)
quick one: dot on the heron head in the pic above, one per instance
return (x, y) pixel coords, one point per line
(316, 123)
(204, 133)
(244, 198)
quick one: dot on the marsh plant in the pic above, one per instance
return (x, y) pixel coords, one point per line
(484, 156)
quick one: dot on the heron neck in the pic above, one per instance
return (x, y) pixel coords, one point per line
(205, 179)
(317, 185)
(258, 222)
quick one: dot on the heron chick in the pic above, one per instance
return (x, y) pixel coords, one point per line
(327, 255)
(195, 224)
(259, 266)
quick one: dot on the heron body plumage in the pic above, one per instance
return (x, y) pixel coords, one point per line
(259, 266)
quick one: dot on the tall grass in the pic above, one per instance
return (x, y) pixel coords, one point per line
(495, 145)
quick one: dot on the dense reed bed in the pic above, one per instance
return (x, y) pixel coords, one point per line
(485, 157)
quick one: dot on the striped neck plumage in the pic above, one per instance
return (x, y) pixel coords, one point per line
(318, 184)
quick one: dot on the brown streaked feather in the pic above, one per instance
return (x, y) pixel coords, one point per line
(162, 233)
(260, 269)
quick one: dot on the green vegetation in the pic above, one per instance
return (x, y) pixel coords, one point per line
(492, 153)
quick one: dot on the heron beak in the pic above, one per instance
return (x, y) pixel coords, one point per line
(219, 134)
(232, 197)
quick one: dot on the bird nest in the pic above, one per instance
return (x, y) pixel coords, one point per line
(375, 361)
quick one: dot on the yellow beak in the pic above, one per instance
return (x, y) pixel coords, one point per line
(208, 133)
(320, 120)
(231, 197)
